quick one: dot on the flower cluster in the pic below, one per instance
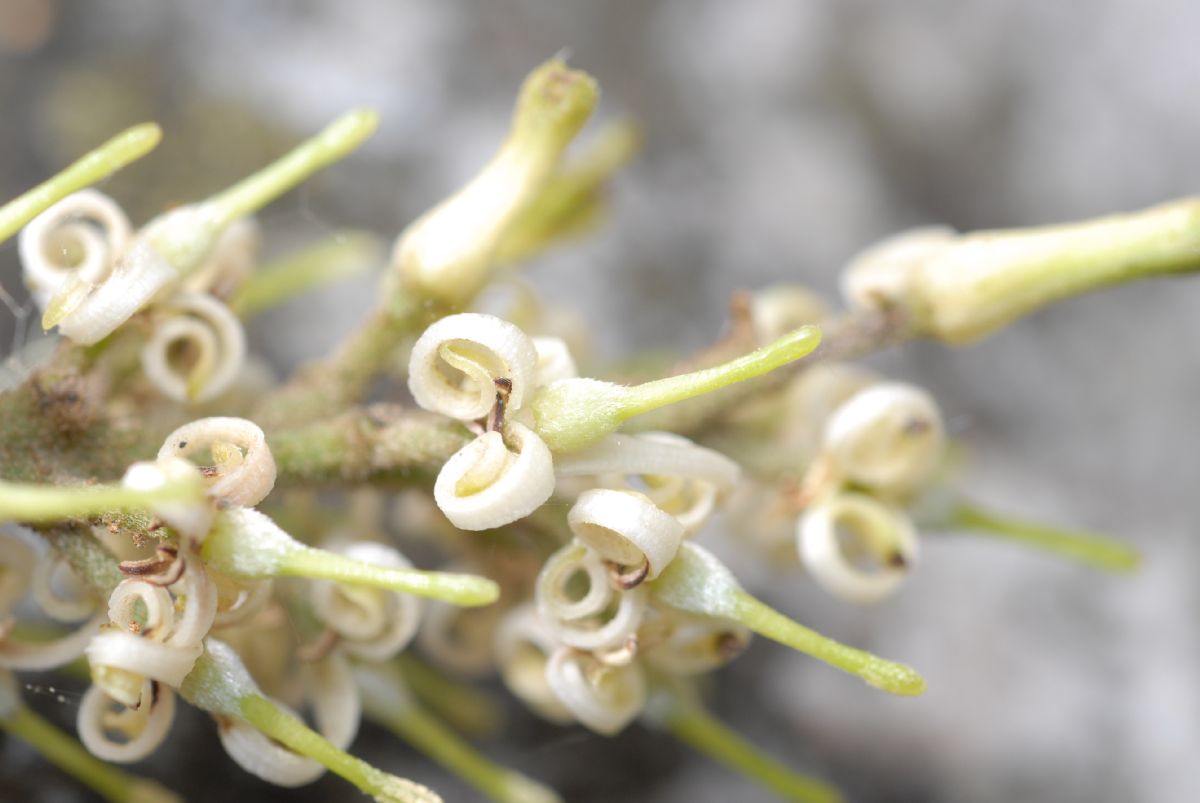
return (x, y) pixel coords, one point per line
(240, 556)
(877, 450)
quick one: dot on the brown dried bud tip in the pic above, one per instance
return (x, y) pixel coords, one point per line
(319, 648)
(503, 391)
(164, 556)
(164, 569)
(627, 579)
(730, 644)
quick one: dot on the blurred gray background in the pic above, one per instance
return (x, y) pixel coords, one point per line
(780, 137)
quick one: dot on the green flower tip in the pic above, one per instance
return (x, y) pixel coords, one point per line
(350, 130)
(135, 142)
(449, 253)
(894, 678)
(889, 676)
(1092, 549)
(986, 280)
(555, 99)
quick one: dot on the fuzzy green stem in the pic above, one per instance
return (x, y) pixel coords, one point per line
(128, 146)
(573, 413)
(700, 730)
(468, 590)
(333, 143)
(220, 684)
(298, 737)
(887, 675)
(381, 443)
(246, 544)
(185, 236)
(988, 279)
(47, 503)
(328, 386)
(661, 392)
(333, 259)
(87, 556)
(1099, 551)
(65, 752)
(698, 582)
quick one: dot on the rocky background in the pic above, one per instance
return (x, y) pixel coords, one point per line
(780, 137)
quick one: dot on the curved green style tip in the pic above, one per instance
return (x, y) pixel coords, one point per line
(247, 544)
(697, 581)
(128, 146)
(133, 143)
(185, 236)
(333, 143)
(1092, 549)
(573, 413)
(659, 393)
(351, 129)
(467, 590)
(890, 676)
